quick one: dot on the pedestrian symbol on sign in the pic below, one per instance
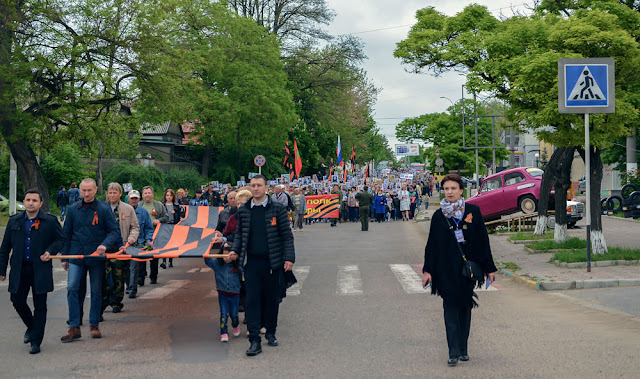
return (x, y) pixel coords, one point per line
(588, 85)
(587, 88)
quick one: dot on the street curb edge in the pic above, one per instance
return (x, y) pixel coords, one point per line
(536, 286)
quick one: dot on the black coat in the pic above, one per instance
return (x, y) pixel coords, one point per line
(279, 234)
(47, 237)
(442, 258)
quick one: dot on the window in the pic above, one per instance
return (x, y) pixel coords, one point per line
(535, 171)
(513, 178)
(491, 184)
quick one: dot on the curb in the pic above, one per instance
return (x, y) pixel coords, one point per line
(627, 219)
(536, 286)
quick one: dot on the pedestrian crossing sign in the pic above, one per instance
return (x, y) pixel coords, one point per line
(586, 85)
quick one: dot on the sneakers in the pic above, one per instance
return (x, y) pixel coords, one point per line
(72, 335)
(236, 331)
(224, 337)
(95, 332)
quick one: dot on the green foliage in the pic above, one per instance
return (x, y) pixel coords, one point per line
(62, 166)
(138, 175)
(571, 243)
(530, 236)
(444, 131)
(183, 178)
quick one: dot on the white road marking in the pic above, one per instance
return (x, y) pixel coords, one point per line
(349, 280)
(164, 291)
(206, 269)
(301, 273)
(194, 270)
(408, 278)
(213, 293)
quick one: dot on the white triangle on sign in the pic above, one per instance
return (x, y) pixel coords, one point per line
(586, 87)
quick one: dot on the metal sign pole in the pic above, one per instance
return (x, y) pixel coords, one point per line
(587, 163)
(260, 170)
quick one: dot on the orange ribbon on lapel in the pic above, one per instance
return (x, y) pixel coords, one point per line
(95, 218)
(273, 222)
(36, 224)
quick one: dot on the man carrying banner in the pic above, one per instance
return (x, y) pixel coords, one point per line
(32, 235)
(90, 227)
(264, 245)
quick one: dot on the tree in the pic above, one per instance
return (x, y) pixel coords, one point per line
(295, 22)
(516, 58)
(444, 130)
(67, 73)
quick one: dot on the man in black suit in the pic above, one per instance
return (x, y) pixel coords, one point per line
(32, 235)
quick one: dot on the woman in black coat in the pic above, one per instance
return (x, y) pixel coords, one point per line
(456, 225)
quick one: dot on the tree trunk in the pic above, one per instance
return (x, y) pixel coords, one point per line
(562, 184)
(206, 159)
(99, 181)
(28, 166)
(545, 190)
(598, 242)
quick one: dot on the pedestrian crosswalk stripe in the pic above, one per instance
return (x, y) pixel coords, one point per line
(194, 270)
(159, 293)
(206, 269)
(301, 273)
(349, 280)
(408, 278)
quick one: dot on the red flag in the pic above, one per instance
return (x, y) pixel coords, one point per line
(366, 173)
(298, 160)
(344, 171)
(287, 156)
(353, 157)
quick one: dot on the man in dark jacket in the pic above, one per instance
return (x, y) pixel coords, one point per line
(365, 199)
(90, 228)
(264, 245)
(62, 201)
(32, 235)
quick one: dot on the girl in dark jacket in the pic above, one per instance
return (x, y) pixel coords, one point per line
(454, 227)
(176, 213)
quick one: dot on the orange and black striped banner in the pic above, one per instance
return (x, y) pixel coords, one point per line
(322, 206)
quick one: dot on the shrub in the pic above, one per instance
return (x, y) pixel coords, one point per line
(62, 166)
(138, 175)
(183, 178)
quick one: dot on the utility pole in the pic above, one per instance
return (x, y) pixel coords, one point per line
(632, 154)
(475, 124)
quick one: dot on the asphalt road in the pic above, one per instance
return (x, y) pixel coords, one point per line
(355, 313)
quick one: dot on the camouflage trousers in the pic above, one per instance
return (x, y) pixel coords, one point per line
(115, 275)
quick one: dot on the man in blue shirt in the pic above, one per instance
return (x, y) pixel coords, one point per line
(32, 235)
(144, 238)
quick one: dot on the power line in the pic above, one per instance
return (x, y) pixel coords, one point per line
(407, 25)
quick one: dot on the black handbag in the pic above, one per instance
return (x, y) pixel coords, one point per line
(470, 269)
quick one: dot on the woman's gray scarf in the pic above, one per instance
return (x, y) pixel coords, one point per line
(452, 209)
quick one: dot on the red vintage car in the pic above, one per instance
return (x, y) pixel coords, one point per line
(508, 192)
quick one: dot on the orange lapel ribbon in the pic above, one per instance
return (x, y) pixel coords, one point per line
(36, 224)
(95, 218)
(273, 221)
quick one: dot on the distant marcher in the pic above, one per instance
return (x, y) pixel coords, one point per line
(405, 202)
(457, 228)
(199, 201)
(176, 213)
(32, 235)
(62, 201)
(300, 204)
(380, 202)
(74, 193)
(364, 199)
(145, 238)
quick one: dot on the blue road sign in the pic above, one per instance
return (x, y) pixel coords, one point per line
(259, 160)
(586, 85)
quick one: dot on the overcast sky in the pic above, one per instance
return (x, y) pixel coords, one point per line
(403, 94)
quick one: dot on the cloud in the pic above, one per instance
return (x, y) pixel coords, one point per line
(403, 94)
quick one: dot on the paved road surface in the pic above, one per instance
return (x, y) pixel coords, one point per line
(356, 313)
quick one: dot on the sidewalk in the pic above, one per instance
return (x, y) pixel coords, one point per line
(536, 271)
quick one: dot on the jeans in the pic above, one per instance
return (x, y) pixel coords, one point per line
(353, 214)
(35, 322)
(132, 281)
(77, 274)
(228, 308)
(63, 211)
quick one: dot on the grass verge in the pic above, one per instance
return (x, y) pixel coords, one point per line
(571, 243)
(580, 255)
(530, 236)
(511, 266)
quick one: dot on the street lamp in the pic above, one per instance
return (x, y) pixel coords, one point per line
(446, 98)
(537, 156)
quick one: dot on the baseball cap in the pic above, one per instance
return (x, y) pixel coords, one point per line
(134, 193)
